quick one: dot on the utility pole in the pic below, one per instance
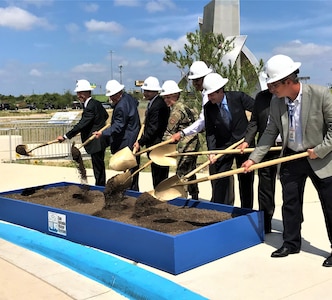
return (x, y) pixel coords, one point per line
(111, 51)
(120, 69)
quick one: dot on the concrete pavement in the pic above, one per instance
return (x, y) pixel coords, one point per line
(248, 274)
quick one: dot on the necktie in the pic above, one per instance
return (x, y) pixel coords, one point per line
(225, 114)
(291, 112)
(148, 107)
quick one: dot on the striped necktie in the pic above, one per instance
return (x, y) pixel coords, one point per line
(225, 114)
(291, 112)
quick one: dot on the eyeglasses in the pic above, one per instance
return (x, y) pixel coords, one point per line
(273, 86)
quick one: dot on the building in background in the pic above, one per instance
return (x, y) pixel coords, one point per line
(223, 17)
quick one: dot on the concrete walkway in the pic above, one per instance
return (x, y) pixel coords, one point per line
(248, 274)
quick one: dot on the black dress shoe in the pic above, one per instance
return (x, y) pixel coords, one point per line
(284, 251)
(328, 262)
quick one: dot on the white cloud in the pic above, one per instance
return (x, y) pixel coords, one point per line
(37, 3)
(91, 7)
(20, 19)
(159, 5)
(94, 25)
(156, 46)
(72, 28)
(140, 63)
(302, 50)
(89, 68)
(35, 72)
(130, 3)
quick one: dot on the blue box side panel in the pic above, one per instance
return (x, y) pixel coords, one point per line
(135, 243)
(173, 254)
(207, 244)
(138, 244)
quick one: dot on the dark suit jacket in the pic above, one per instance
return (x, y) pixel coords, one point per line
(259, 116)
(156, 121)
(218, 136)
(93, 118)
(316, 119)
(125, 124)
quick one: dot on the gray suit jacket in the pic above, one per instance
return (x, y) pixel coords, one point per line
(316, 118)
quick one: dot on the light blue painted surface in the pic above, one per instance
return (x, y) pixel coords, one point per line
(125, 278)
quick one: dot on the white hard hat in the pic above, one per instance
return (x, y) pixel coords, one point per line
(198, 69)
(170, 87)
(213, 82)
(280, 66)
(151, 84)
(83, 85)
(113, 87)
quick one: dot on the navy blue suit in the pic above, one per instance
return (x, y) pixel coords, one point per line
(125, 125)
(93, 118)
(219, 136)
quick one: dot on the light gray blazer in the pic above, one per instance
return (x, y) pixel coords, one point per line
(316, 118)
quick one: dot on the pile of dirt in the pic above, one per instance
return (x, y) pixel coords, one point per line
(144, 211)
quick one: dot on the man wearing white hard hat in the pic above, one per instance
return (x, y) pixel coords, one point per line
(93, 119)
(156, 118)
(125, 122)
(226, 122)
(302, 114)
(181, 117)
(198, 70)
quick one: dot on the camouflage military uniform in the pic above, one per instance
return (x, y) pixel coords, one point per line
(181, 117)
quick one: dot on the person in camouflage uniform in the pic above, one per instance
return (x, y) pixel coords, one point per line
(181, 116)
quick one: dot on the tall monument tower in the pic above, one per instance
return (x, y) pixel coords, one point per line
(223, 17)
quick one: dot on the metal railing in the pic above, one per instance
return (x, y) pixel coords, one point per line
(32, 133)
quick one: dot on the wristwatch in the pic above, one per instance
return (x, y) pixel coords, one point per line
(182, 134)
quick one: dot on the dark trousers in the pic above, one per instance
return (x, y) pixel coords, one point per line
(293, 176)
(159, 173)
(220, 193)
(266, 191)
(185, 165)
(98, 166)
(134, 184)
(222, 189)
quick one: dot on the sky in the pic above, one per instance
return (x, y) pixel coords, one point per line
(46, 45)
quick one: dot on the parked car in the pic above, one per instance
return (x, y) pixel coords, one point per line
(106, 105)
(76, 105)
(4, 106)
(31, 106)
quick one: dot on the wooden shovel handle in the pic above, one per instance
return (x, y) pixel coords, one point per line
(45, 144)
(155, 146)
(252, 168)
(92, 137)
(148, 163)
(140, 133)
(224, 151)
(202, 166)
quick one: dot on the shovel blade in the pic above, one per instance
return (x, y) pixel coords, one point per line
(158, 155)
(168, 190)
(22, 150)
(123, 160)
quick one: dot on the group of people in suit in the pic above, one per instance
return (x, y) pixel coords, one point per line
(289, 113)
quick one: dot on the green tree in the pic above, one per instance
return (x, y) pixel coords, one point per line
(210, 48)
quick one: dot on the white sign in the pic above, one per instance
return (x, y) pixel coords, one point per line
(57, 223)
(64, 117)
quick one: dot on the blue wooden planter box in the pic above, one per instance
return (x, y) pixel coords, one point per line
(173, 254)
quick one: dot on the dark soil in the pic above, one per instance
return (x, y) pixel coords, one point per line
(77, 157)
(144, 211)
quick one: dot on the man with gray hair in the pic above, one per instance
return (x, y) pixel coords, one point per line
(302, 114)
